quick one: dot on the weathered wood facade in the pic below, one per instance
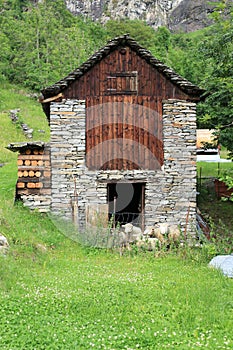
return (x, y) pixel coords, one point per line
(123, 116)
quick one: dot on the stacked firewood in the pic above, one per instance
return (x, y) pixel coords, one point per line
(33, 171)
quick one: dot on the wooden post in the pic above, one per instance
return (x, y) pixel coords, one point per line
(186, 223)
(200, 177)
(74, 204)
(143, 208)
(114, 212)
(218, 168)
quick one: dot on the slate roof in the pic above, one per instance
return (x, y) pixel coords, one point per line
(22, 146)
(124, 40)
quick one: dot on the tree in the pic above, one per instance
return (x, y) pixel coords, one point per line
(217, 52)
(43, 42)
(162, 40)
(137, 29)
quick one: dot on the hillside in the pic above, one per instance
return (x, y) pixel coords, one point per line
(13, 97)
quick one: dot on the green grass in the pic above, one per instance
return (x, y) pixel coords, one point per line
(71, 298)
(56, 294)
(212, 169)
(68, 297)
(104, 302)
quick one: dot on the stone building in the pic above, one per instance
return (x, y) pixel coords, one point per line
(123, 143)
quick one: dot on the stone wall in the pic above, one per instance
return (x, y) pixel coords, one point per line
(41, 202)
(179, 118)
(67, 143)
(170, 193)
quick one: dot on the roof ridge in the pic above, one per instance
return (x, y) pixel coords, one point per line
(98, 55)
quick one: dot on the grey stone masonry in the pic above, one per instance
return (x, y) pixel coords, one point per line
(67, 124)
(41, 202)
(170, 193)
(179, 136)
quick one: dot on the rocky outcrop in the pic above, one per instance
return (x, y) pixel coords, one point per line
(190, 15)
(178, 15)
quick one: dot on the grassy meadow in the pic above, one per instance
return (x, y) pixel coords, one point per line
(57, 294)
(72, 298)
(212, 169)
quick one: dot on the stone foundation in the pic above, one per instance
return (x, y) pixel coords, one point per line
(41, 202)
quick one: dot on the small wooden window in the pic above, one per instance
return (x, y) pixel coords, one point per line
(125, 83)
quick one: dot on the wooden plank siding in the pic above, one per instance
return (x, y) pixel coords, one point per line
(124, 97)
(125, 131)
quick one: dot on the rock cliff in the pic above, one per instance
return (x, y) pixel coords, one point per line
(177, 15)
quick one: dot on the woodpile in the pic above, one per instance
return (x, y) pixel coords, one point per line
(33, 171)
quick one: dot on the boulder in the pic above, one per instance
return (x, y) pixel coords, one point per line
(223, 263)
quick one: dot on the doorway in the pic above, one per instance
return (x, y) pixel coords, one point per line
(126, 203)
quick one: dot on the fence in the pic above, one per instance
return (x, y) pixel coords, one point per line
(117, 219)
(207, 172)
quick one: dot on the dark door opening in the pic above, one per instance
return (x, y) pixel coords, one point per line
(126, 203)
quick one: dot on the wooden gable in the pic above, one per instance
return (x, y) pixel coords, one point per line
(124, 72)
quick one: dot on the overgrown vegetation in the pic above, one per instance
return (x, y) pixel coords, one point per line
(218, 213)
